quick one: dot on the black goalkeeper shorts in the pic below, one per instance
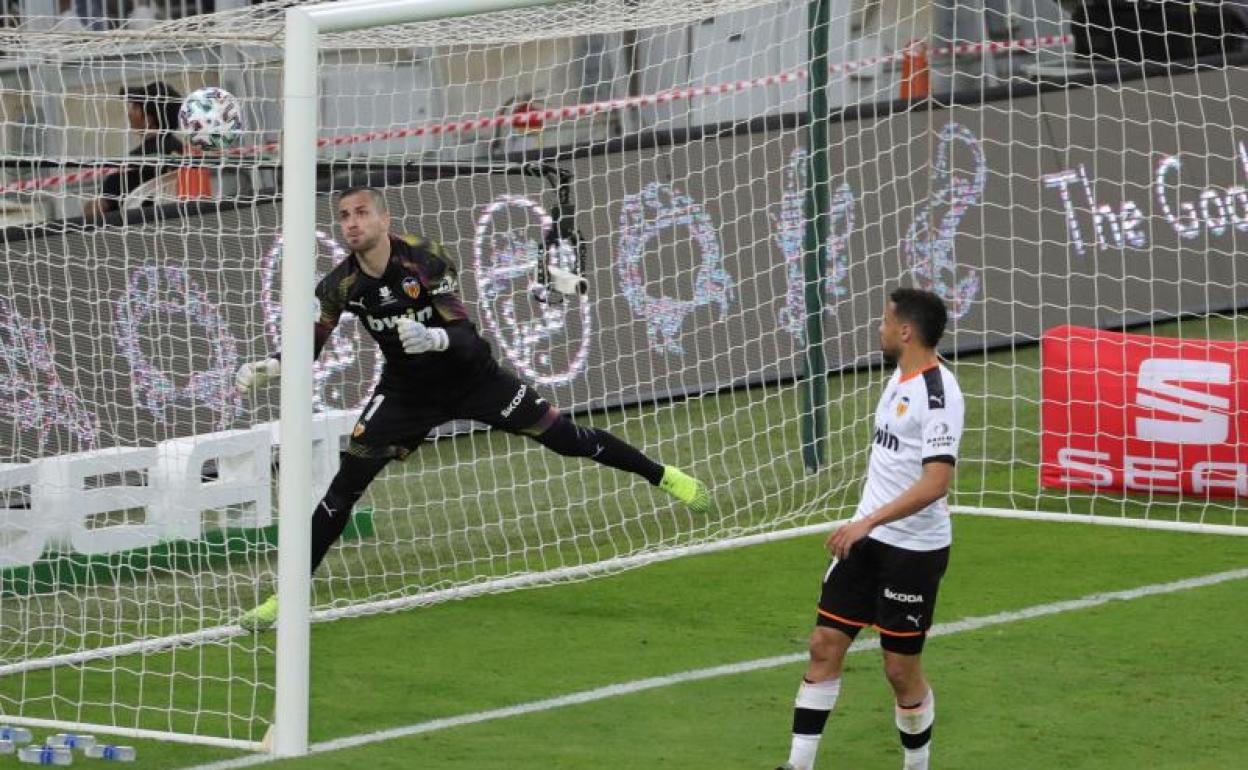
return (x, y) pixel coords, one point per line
(397, 419)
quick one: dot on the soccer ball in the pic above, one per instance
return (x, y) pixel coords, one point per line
(210, 119)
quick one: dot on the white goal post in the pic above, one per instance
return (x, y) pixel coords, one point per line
(300, 121)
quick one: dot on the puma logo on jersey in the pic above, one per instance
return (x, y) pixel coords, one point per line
(904, 598)
(915, 620)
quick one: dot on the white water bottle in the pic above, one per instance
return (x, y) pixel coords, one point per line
(16, 735)
(111, 753)
(71, 740)
(46, 755)
(6, 747)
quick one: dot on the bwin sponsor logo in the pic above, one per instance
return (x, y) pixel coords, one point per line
(392, 322)
(515, 400)
(904, 598)
(886, 439)
(381, 324)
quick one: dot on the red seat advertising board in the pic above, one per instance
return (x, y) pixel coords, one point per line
(1144, 414)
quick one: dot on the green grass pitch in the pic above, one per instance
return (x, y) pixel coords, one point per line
(1156, 681)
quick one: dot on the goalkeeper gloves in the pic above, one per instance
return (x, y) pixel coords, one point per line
(257, 373)
(418, 338)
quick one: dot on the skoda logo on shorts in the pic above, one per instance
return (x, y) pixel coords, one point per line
(515, 400)
(904, 598)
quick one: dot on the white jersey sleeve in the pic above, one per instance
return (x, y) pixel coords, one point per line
(942, 424)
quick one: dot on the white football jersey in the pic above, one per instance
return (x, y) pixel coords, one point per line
(919, 420)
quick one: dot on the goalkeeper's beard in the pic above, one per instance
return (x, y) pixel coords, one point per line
(364, 246)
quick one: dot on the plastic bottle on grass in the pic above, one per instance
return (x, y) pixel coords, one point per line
(17, 735)
(72, 740)
(46, 755)
(111, 753)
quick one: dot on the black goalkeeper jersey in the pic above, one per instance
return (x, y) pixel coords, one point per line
(420, 283)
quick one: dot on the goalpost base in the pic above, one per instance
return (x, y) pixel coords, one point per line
(1107, 521)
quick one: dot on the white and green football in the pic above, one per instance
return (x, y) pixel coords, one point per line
(210, 119)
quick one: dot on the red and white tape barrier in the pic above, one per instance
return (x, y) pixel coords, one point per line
(537, 118)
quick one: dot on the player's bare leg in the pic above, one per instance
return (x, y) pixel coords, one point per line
(915, 709)
(817, 694)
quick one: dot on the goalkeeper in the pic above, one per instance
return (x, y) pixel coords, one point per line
(437, 368)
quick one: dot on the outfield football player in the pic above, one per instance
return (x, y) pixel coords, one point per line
(887, 562)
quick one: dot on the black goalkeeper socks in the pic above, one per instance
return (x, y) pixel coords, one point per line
(571, 440)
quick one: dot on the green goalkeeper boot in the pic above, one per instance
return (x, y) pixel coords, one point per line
(686, 489)
(261, 618)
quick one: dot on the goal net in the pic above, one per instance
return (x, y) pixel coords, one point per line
(1078, 203)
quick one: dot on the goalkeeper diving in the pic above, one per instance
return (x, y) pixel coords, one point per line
(437, 368)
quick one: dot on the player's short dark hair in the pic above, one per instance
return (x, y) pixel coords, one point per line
(379, 200)
(924, 309)
(159, 101)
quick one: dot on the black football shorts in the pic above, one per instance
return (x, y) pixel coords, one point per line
(892, 589)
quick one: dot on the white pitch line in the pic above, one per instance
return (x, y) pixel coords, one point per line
(696, 675)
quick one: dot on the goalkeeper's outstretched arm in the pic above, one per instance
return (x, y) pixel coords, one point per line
(256, 374)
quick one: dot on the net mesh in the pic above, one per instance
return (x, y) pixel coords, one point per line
(658, 148)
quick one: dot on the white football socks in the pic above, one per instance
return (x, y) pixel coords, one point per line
(915, 726)
(815, 701)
